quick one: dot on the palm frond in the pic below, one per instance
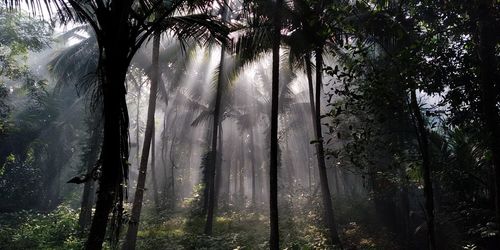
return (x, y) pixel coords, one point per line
(195, 27)
(205, 116)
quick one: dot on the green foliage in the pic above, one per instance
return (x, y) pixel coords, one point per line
(19, 185)
(31, 230)
(20, 34)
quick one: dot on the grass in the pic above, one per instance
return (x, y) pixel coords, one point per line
(245, 229)
(249, 230)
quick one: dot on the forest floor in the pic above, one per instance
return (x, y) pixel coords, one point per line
(183, 229)
(249, 230)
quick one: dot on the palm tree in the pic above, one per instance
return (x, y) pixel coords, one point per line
(90, 157)
(121, 27)
(314, 31)
(273, 169)
(488, 83)
(423, 143)
(77, 65)
(215, 129)
(133, 225)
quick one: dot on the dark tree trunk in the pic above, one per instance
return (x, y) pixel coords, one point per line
(252, 159)
(236, 164)
(218, 164)
(309, 174)
(311, 103)
(325, 190)
(426, 168)
(114, 154)
(215, 129)
(487, 34)
(274, 240)
(153, 170)
(173, 196)
(133, 225)
(241, 189)
(137, 124)
(85, 216)
(228, 180)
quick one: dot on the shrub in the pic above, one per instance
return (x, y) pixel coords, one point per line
(32, 230)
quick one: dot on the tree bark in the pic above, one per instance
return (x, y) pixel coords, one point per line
(156, 199)
(252, 159)
(274, 240)
(114, 154)
(137, 124)
(241, 189)
(85, 216)
(215, 130)
(133, 225)
(426, 168)
(218, 165)
(172, 161)
(487, 31)
(325, 189)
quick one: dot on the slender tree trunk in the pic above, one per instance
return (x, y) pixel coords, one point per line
(87, 202)
(426, 169)
(213, 152)
(85, 216)
(311, 89)
(252, 159)
(236, 164)
(218, 165)
(241, 189)
(311, 104)
(137, 124)
(487, 33)
(325, 189)
(309, 176)
(153, 170)
(172, 160)
(337, 180)
(133, 225)
(274, 240)
(405, 207)
(228, 180)
(163, 155)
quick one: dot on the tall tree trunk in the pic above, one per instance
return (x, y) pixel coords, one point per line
(311, 105)
(218, 165)
(153, 170)
(487, 33)
(133, 225)
(85, 216)
(163, 159)
(228, 180)
(114, 154)
(236, 164)
(426, 168)
(325, 190)
(274, 240)
(137, 124)
(309, 175)
(252, 159)
(213, 149)
(241, 189)
(172, 160)
(215, 130)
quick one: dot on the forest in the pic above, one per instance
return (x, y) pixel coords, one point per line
(250, 124)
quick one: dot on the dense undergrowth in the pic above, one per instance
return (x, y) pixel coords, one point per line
(34, 230)
(183, 229)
